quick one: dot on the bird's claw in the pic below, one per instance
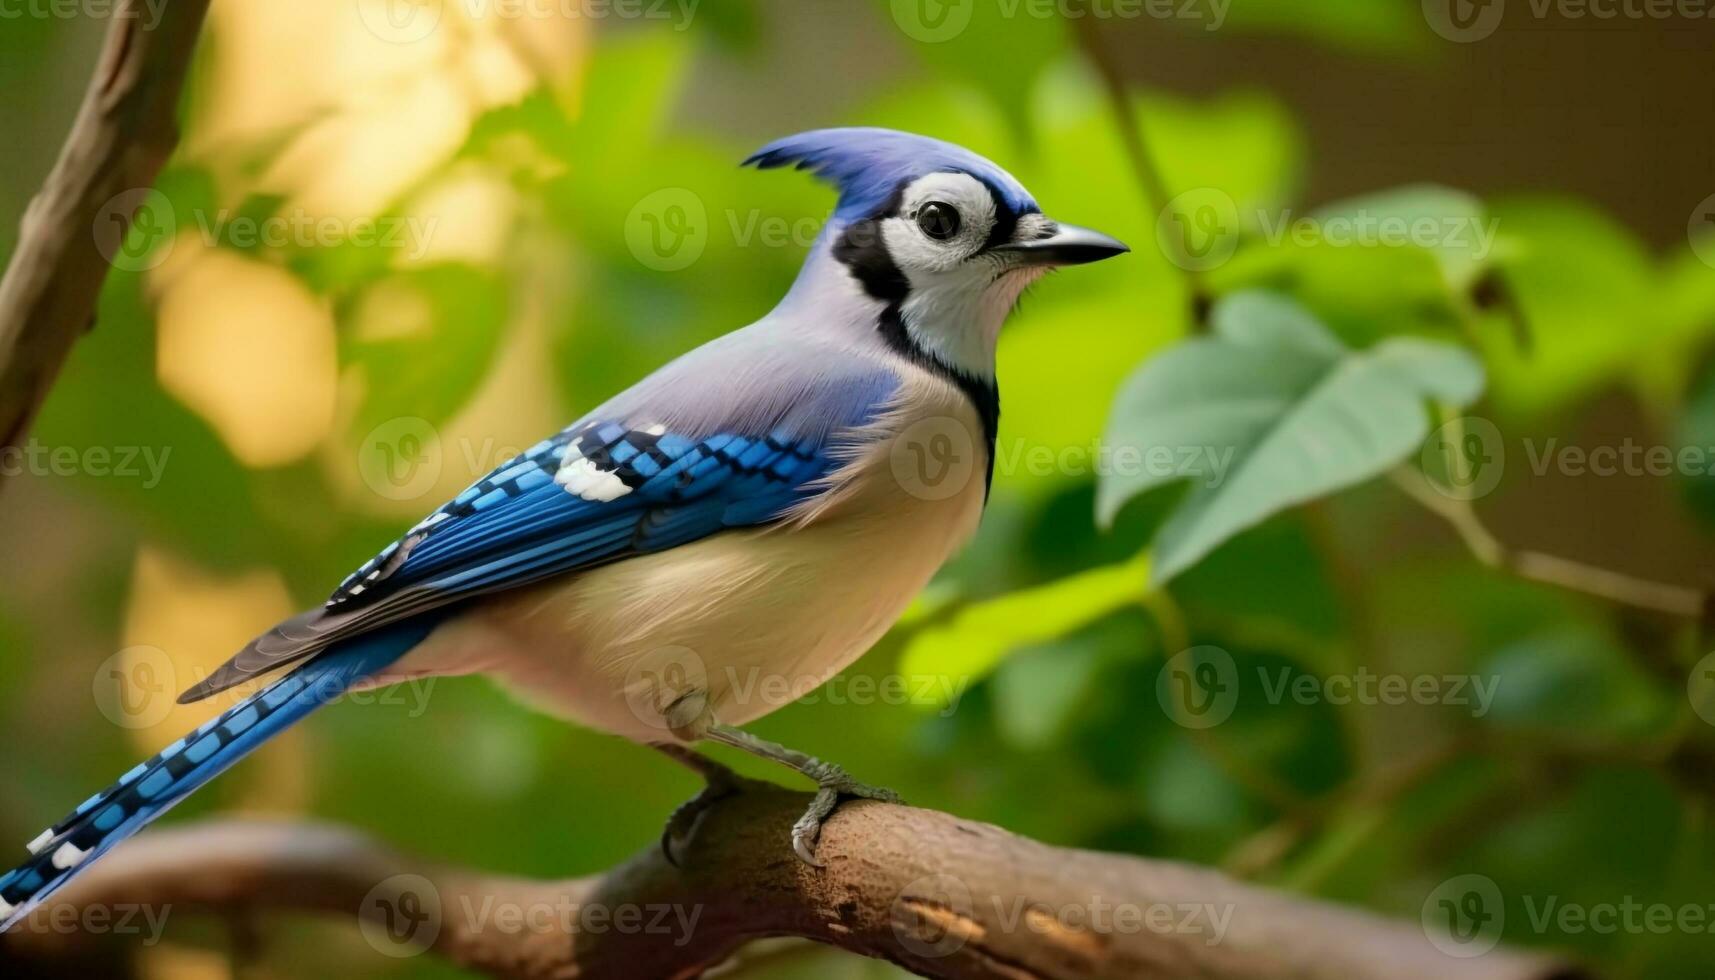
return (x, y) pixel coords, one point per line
(833, 783)
(721, 784)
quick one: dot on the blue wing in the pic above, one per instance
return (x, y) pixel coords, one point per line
(517, 525)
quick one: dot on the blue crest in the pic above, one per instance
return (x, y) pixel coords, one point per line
(868, 164)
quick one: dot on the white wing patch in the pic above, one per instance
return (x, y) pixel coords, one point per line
(69, 855)
(584, 479)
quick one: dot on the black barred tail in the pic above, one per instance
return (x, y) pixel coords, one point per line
(152, 788)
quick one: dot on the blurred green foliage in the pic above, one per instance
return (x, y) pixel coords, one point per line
(1323, 361)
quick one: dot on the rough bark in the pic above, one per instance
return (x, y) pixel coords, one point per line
(124, 132)
(940, 896)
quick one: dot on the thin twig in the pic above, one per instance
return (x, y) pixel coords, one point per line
(123, 134)
(1156, 195)
(1565, 573)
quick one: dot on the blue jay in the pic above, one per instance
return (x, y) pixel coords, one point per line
(747, 514)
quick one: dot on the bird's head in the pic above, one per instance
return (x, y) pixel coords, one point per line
(938, 242)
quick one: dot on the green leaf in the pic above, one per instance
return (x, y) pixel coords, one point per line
(1577, 683)
(1038, 692)
(1574, 274)
(1449, 224)
(982, 634)
(1269, 412)
(1695, 433)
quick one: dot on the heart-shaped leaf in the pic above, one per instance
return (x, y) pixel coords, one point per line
(1270, 411)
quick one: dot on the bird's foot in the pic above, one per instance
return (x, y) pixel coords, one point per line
(832, 784)
(719, 783)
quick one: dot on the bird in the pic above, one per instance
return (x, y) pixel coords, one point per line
(761, 508)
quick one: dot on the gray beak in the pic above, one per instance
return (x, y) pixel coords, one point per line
(1068, 245)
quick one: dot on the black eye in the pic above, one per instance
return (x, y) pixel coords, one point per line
(938, 221)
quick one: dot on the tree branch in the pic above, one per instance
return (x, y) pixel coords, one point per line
(124, 132)
(937, 895)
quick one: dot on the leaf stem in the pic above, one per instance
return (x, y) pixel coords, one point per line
(1566, 573)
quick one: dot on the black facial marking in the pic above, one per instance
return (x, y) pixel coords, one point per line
(1005, 219)
(983, 393)
(861, 249)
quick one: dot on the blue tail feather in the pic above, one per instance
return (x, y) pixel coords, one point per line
(152, 788)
